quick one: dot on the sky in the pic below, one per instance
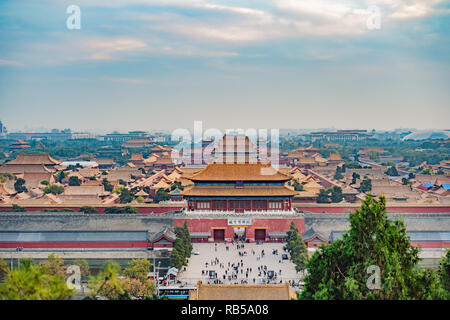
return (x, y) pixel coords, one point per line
(163, 64)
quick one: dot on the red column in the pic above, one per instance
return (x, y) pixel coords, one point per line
(267, 204)
(228, 206)
(210, 206)
(251, 205)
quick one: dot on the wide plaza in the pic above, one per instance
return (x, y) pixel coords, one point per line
(240, 263)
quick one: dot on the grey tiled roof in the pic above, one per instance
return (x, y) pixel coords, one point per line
(72, 236)
(415, 236)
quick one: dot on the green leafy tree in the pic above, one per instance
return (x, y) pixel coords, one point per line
(339, 270)
(34, 282)
(444, 272)
(108, 186)
(45, 182)
(183, 234)
(88, 209)
(297, 248)
(19, 185)
(4, 270)
(84, 266)
(298, 186)
(405, 181)
(17, 208)
(392, 171)
(107, 283)
(126, 196)
(74, 181)
(354, 177)
(336, 194)
(138, 269)
(365, 185)
(60, 176)
(126, 209)
(338, 175)
(176, 258)
(323, 196)
(161, 195)
(54, 265)
(54, 189)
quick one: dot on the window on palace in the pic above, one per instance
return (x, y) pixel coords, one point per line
(259, 204)
(275, 205)
(239, 184)
(203, 204)
(219, 205)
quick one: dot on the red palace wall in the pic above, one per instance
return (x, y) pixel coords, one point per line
(74, 244)
(431, 244)
(101, 209)
(271, 225)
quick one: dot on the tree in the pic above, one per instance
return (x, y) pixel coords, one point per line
(297, 248)
(34, 282)
(108, 187)
(405, 181)
(338, 175)
(60, 176)
(298, 186)
(54, 265)
(84, 266)
(54, 189)
(444, 272)
(126, 196)
(4, 270)
(183, 234)
(339, 270)
(323, 196)
(19, 185)
(176, 258)
(366, 185)
(411, 175)
(74, 181)
(17, 208)
(354, 177)
(122, 182)
(126, 209)
(336, 194)
(106, 283)
(392, 171)
(138, 269)
(161, 195)
(138, 289)
(88, 209)
(45, 182)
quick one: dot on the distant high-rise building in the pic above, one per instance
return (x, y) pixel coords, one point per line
(2, 131)
(2, 128)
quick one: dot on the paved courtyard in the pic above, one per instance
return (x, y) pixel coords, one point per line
(231, 267)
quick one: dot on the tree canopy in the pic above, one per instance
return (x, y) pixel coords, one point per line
(297, 248)
(340, 269)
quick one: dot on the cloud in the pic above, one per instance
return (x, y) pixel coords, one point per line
(107, 49)
(10, 63)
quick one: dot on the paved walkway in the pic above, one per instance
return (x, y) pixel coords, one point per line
(238, 268)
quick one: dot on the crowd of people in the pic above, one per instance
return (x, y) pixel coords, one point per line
(218, 271)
